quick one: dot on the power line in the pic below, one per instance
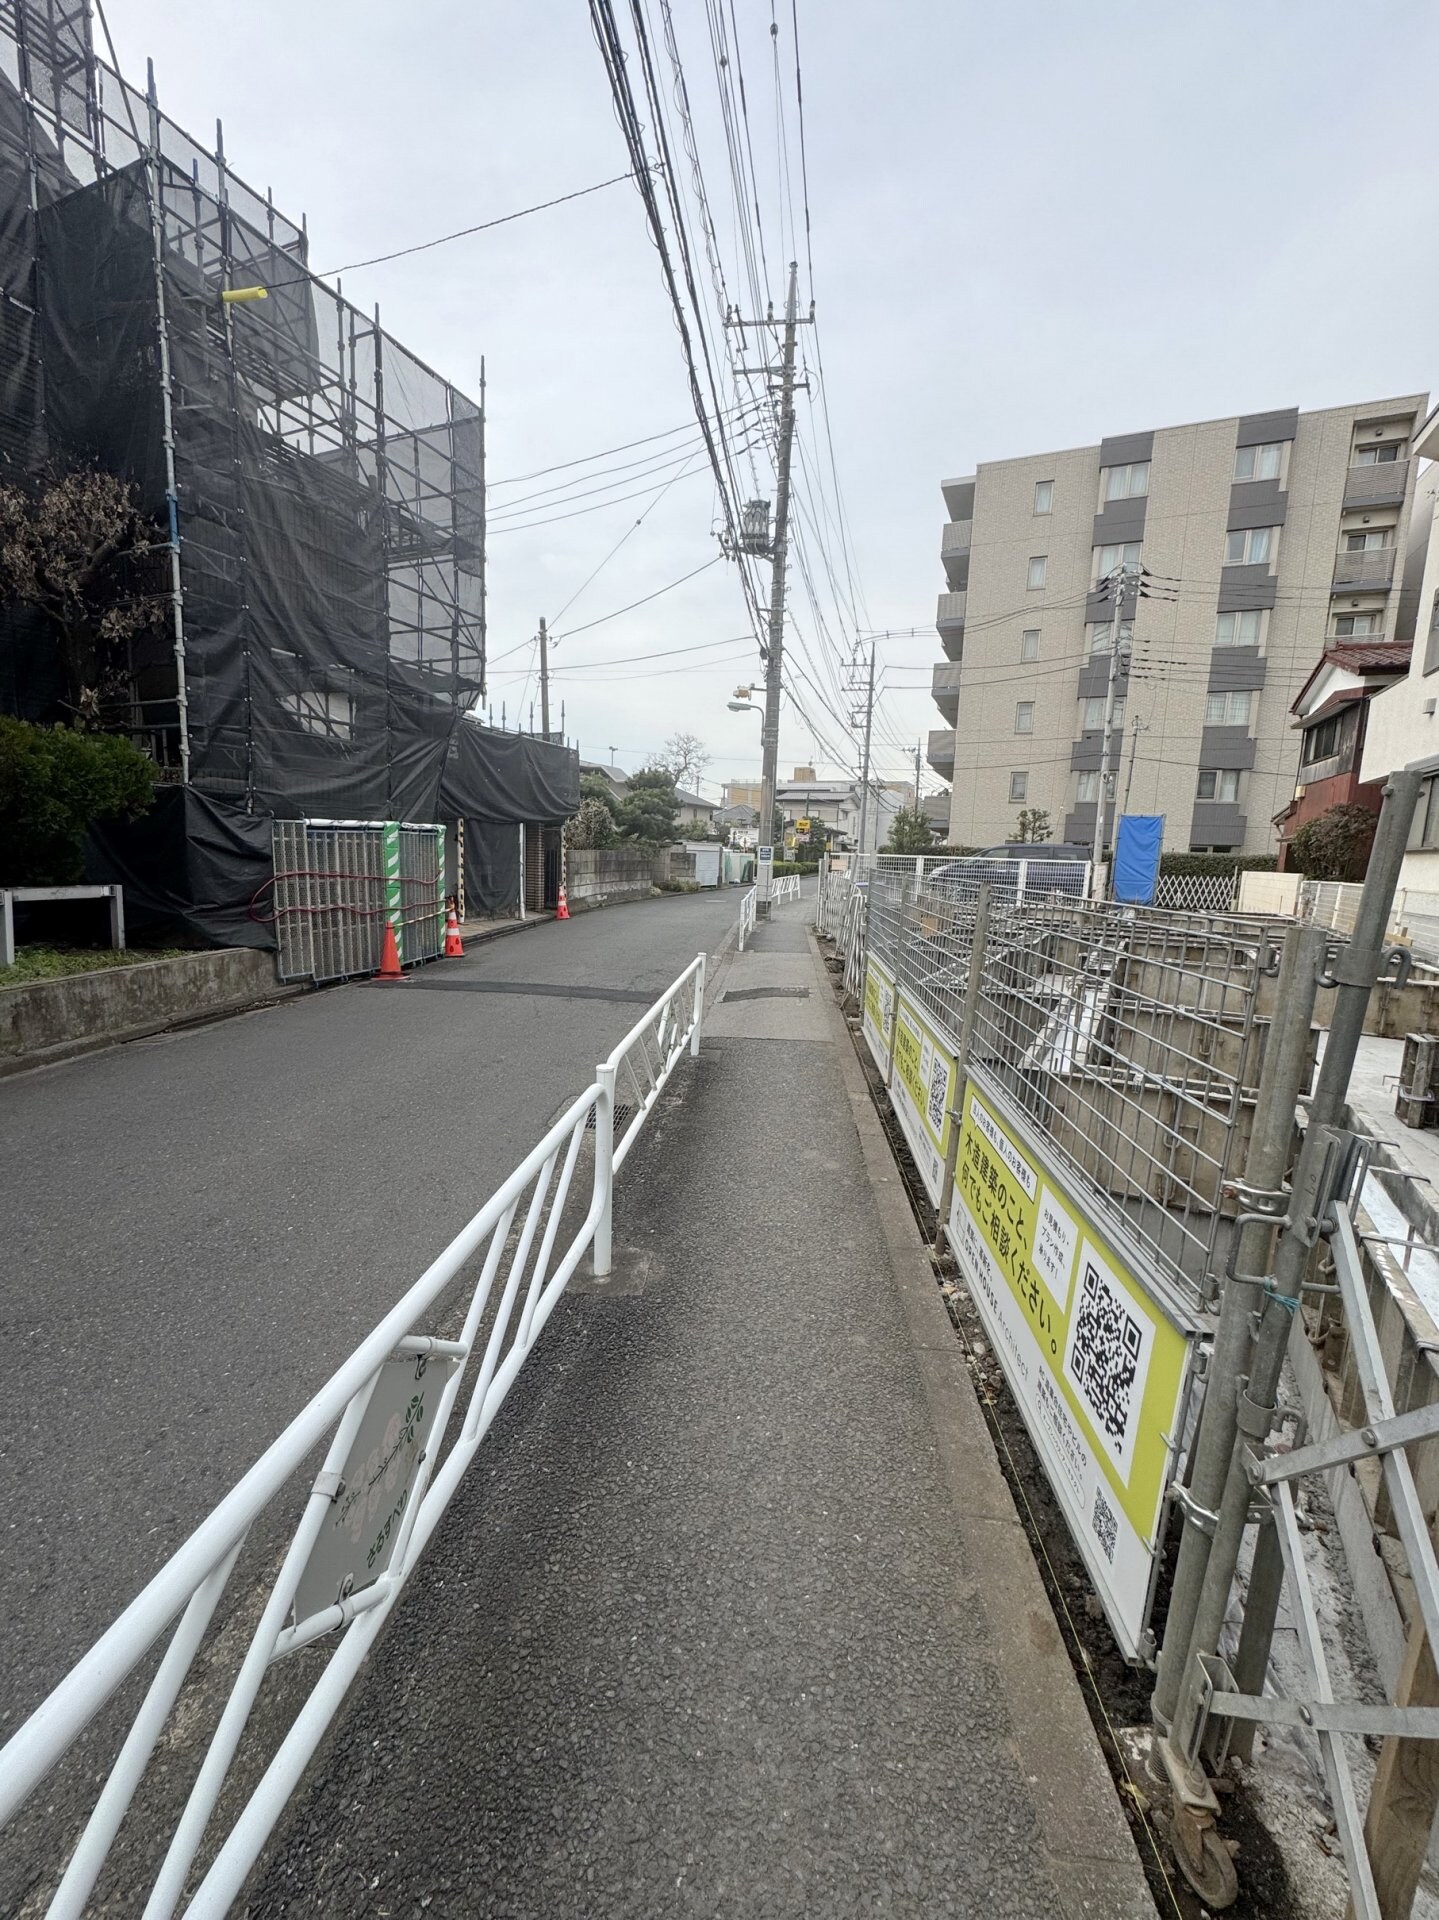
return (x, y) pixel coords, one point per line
(704, 567)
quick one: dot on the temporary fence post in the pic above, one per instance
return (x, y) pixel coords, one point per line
(522, 869)
(1256, 1407)
(1280, 1084)
(604, 1169)
(972, 987)
(1023, 876)
(699, 1009)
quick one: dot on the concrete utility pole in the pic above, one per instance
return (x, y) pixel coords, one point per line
(778, 553)
(864, 764)
(1119, 582)
(544, 681)
(1136, 727)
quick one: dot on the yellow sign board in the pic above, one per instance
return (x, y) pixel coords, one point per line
(925, 1066)
(1098, 1368)
(878, 1011)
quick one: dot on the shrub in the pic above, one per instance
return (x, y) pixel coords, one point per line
(53, 783)
(1335, 846)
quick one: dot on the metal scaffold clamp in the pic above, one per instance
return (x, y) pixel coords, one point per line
(1345, 965)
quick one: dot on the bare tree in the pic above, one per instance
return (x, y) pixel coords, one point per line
(74, 548)
(685, 758)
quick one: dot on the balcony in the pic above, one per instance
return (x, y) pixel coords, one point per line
(1377, 486)
(941, 752)
(945, 688)
(949, 622)
(954, 552)
(1372, 571)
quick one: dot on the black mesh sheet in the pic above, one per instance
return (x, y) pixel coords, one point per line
(508, 776)
(492, 868)
(191, 863)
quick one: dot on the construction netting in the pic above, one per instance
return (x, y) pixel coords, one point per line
(328, 488)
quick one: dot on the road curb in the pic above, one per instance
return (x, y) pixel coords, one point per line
(1087, 1841)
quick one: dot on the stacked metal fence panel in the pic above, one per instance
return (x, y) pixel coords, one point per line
(332, 902)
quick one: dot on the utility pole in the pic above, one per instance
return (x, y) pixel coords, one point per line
(544, 681)
(1118, 583)
(916, 776)
(1136, 727)
(864, 764)
(779, 543)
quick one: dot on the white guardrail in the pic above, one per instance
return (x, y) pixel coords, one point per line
(371, 1510)
(786, 887)
(746, 916)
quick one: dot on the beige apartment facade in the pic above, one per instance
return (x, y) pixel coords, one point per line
(1256, 541)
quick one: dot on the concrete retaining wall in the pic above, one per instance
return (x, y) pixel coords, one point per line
(602, 876)
(51, 1019)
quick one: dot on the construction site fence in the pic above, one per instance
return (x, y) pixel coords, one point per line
(338, 883)
(1132, 1038)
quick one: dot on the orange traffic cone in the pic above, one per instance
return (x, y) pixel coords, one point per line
(454, 946)
(562, 911)
(390, 956)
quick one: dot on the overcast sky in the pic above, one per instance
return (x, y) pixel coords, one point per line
(1032, 225)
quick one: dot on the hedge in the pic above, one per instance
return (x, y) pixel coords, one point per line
(1216, 864)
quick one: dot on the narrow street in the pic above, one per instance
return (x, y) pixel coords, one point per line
(202, 1225)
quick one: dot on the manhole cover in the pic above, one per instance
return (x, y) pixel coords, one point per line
(767, 993)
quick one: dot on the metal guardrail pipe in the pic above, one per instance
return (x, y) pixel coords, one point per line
(188, 1587)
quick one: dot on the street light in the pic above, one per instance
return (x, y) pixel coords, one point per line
(745, 706)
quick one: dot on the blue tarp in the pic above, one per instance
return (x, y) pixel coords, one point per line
(1137, 847)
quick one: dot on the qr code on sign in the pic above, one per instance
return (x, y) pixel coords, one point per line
(938, 1088)
(1106, 1527)
(1105, 1347)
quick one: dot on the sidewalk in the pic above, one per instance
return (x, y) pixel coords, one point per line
(736, 1617)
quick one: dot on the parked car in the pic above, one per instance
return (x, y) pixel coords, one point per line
(1054, 867)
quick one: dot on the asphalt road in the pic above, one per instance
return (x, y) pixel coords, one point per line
(199, 1227)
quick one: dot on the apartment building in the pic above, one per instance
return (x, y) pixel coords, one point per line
(1259, 539)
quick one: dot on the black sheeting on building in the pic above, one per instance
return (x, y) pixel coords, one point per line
(190, 861)
(492, 867)
(492, 776)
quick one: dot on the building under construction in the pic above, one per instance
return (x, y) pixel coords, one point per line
(319, 639)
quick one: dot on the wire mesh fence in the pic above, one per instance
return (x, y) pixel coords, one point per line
(1131, 1038)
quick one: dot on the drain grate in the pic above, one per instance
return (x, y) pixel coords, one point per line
(625, 1111)
(766, 993)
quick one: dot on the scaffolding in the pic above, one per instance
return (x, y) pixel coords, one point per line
(320, 489)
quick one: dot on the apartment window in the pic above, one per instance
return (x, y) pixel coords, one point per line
(1038, 567)
(1018, 786)
(1384, 456)
(1351, 626)
(1110, 559)
(1259, 463)
(1228, 709)
(1239, 629)
(1125, 483)
(1024, 716)
(1097, 635)
(1250, 546)
(1322, 742)
(1086, 792)
(1029, 644)
(1219, 783)
(1043, 496)
(1369, 540)
(1091, 713)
